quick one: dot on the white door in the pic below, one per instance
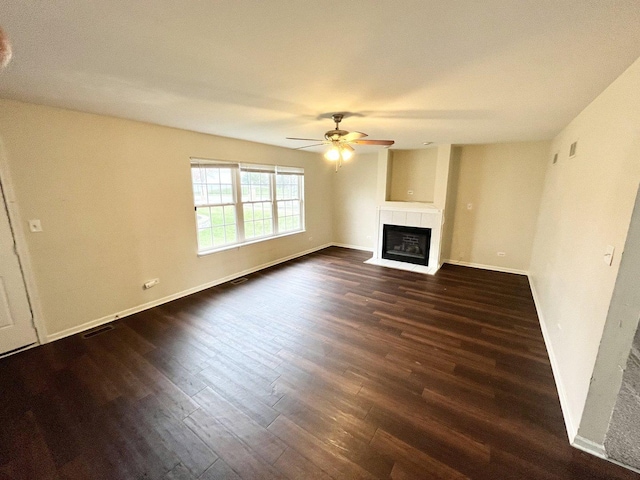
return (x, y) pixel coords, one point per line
(16, 325)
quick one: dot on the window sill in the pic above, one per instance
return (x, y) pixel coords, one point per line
(250, 242)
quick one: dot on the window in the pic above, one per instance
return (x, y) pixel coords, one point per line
(242, 203)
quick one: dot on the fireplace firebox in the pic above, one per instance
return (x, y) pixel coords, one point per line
(406, 244)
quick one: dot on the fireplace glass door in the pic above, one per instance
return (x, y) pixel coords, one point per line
(406, 244)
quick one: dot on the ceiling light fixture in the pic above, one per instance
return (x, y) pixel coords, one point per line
(340, 141)
(339, 153)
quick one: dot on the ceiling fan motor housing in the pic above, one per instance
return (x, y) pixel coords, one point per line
(335, 134)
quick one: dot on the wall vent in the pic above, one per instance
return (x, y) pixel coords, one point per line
(238, 281)
(573, 150)
(97, 331)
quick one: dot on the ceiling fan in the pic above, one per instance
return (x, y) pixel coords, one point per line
(340, 141)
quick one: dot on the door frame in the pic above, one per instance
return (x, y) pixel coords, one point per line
(8, 198)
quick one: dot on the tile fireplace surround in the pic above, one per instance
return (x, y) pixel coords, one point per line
(410, 215)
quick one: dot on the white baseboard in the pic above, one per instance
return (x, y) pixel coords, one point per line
(145, 306)
(598, 450)
(486, 267)
(572, 430)
(589, 446)
(352, 247)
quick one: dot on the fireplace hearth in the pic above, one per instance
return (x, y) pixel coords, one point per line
(406, 244)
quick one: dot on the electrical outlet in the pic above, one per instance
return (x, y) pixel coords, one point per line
(469, 206)
(409, 192)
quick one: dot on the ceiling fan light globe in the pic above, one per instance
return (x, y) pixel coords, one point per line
(346, 154)
(333, 154)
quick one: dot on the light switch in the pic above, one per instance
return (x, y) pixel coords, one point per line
(35, 225)
(608, 255)
(469, 206)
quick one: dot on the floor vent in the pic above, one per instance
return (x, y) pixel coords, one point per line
(238, 281)
(97, 331)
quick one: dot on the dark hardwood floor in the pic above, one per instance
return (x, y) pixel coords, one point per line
(320, 368)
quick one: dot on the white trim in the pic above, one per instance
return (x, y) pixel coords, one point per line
(233, 246)
(352, 247)
(486, 267)
(145, 306)
(572, 430)
(598, 450)
(21, 248)
(589, 446)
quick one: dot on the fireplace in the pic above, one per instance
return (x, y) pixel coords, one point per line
(406, 244)
(423, 220)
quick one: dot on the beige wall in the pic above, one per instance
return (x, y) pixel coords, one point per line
(413, 170)
(586, 205)
(354, 202)
(114, 197)
(503, 184)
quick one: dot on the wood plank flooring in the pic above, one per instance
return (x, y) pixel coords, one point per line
(320, 368)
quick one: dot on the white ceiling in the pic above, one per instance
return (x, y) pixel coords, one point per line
(454, 71)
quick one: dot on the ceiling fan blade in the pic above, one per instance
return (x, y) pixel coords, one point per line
(374, 142)
(306, 139)
(350, 137)
(309, 146)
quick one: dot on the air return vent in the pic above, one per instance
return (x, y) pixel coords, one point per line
(97, 331)
(238, 281)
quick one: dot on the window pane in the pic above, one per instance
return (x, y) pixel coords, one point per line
(248, 212)
(199, 194)
(217, 216)
(204, 239)
(213, 175)
(259, 231)
(268, 227)
(226, 193)
(248, 230)
(218, 236)
(231, 233)
(196, 175)
(258, 215)
(230, 214)
(225, 175)
(203, 217)
(213, 194)
(246, 193)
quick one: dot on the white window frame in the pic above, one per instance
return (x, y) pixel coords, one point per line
(238, 203)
